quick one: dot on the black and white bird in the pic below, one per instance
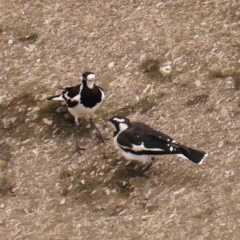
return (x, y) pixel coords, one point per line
(137, 141)
(83, 99)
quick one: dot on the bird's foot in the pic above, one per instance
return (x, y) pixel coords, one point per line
(139, 172)
(78, 149)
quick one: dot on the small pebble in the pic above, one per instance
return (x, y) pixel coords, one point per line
(179, 191)
(197, 83)
(165, 70)
(220, 144)
(107, 191)
(35, 151)
(82, 182)
(47, 122)
(13, 190)
(10, 41)
(229, 173)
(146, 217)
(111, 65)
(62, 201)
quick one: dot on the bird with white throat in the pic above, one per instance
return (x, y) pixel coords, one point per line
(82, 99)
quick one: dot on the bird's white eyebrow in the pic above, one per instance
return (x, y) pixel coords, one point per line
(119, 120)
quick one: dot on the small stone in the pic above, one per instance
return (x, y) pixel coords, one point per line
(122, 212)
(159, 4)
(229, 173)
(165, 70)
(147, 88)
(93, 192)
(38, 60)
(107, 191)
(10, 41)
(47, 122)
(2, 205)
(146, 217)
(13, 190)
(197, 83)
(220, 144)
(111, 65)
(82, 182)
(62, 201)
(35, 151)
(179, 191)
(30, 47)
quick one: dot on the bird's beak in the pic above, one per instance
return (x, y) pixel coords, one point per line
(107, 119)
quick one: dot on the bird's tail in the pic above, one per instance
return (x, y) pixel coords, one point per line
(194, 155)
(56, 98)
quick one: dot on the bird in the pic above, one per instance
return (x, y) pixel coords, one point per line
(138, 141)
(82, 99)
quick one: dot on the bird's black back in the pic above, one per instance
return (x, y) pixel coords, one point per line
(140, 133)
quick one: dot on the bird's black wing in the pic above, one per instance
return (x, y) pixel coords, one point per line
(70, 94)
(142, 139)
(72, 91)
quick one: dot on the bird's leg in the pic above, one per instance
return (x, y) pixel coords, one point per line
(98, 133)
(139, 172)
(78, 148)
(147, 167)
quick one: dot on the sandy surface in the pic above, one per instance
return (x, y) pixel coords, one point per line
(46, 191)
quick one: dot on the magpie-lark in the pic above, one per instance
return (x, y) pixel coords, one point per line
(137, 141)
(83, 99)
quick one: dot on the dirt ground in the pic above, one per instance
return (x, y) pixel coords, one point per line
(46, 191)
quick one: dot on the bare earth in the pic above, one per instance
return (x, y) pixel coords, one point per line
(46, 191)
